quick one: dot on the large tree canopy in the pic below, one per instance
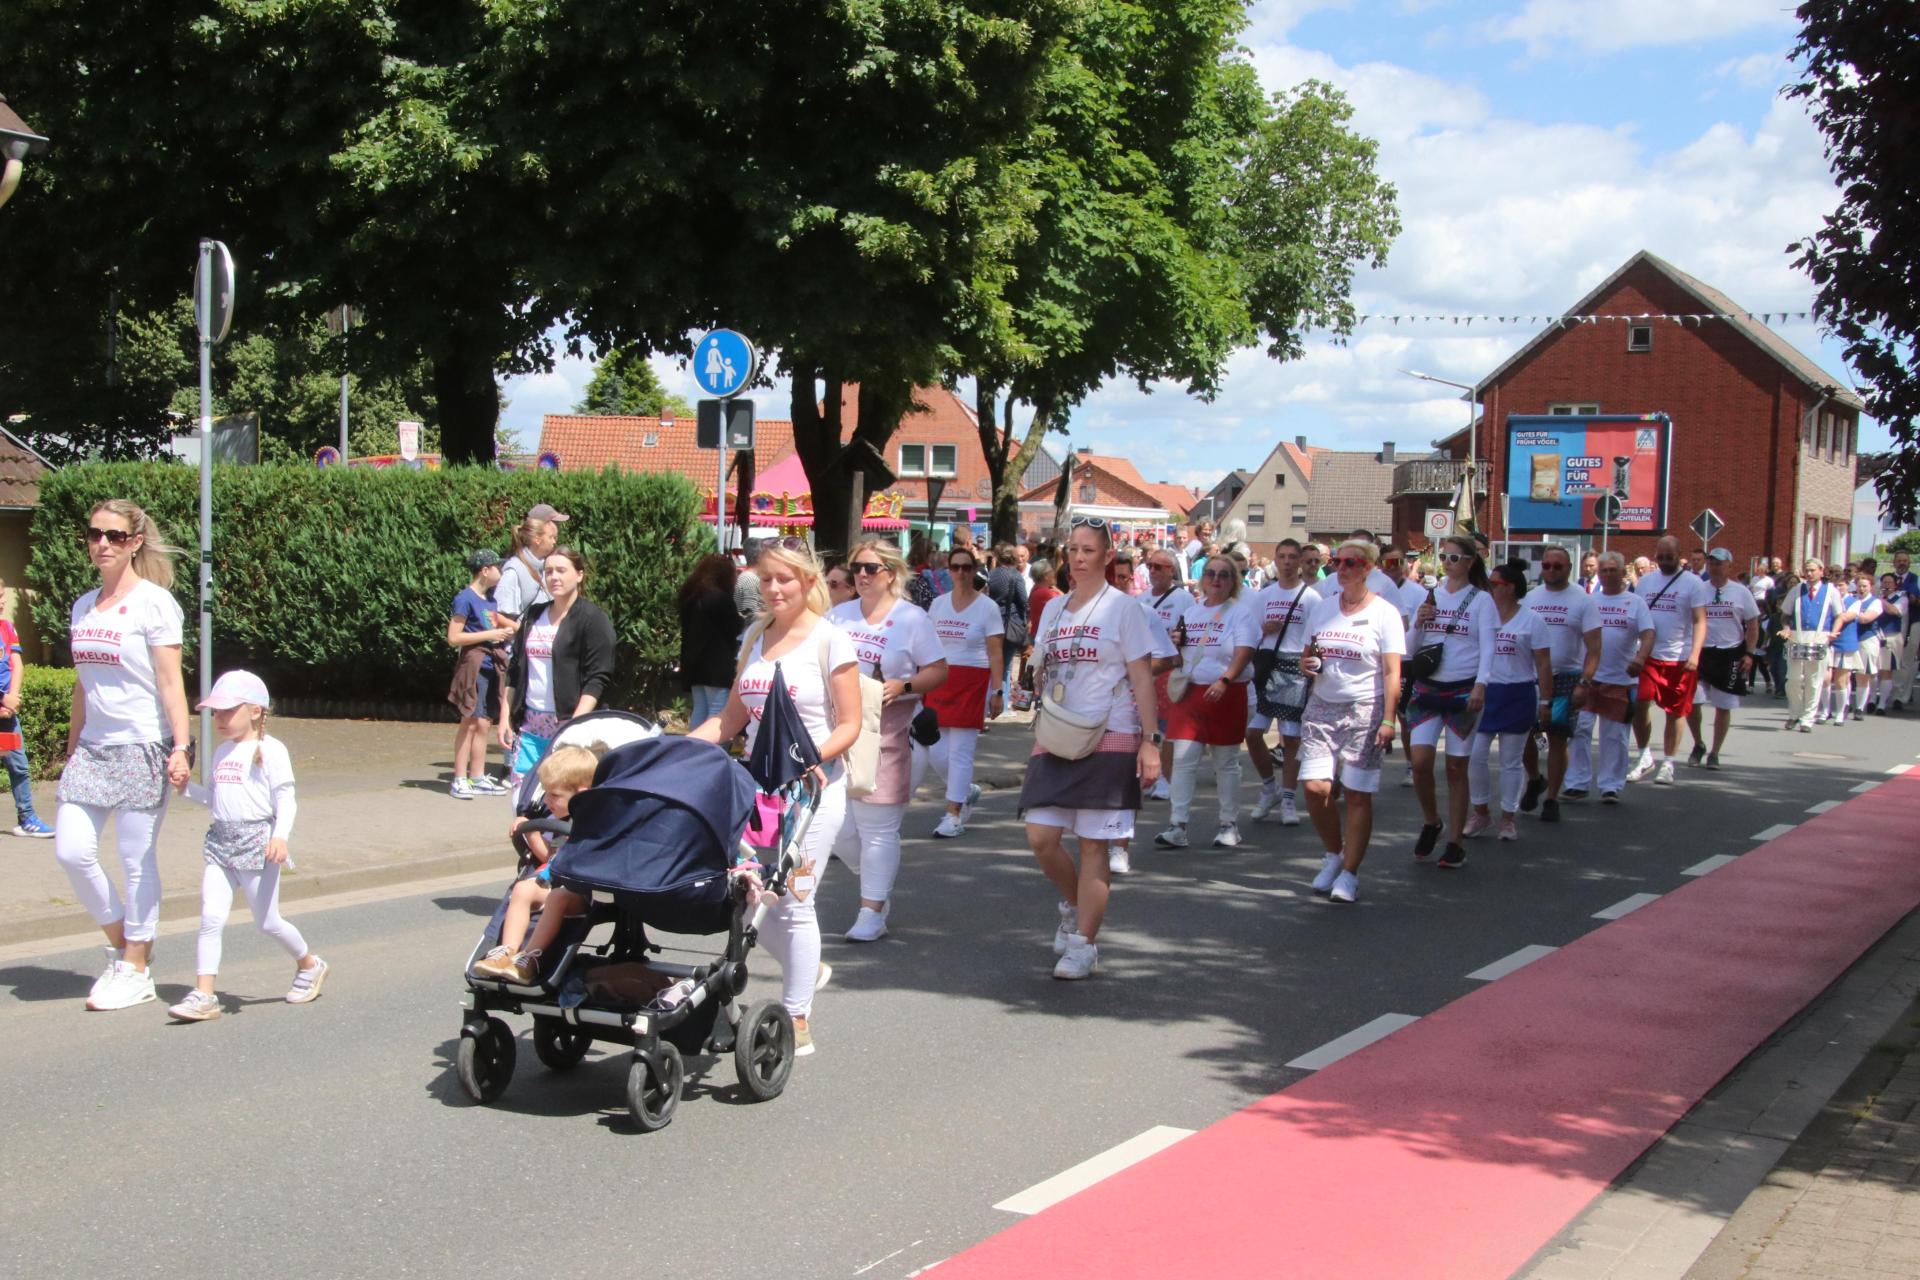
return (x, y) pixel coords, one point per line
(1862, 64)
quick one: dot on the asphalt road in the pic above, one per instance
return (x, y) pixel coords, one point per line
(953, 1072)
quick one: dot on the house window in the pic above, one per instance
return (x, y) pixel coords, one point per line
(1280, 481)
(1839, 540)
(1575, 410)
(650, 440)
(1087, 492)
(945, 460)
(1639, 337)
(1846, 452)
(1820, 439)
(1256, 513)
(1300, 513)
(1810, 541)
(913, 459)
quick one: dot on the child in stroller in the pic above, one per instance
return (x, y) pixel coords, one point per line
(564, 773)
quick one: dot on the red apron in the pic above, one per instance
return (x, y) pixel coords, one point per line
(961, 700)
(1217, 724)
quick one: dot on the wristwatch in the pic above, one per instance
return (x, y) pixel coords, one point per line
(1156, 738)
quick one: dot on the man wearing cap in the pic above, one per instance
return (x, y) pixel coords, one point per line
(476, 632)
(1733, 629)
(533, 541)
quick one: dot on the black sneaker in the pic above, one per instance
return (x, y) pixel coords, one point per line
(1429, 836)
(1536, 787)
(1455, 856)
(1574, 793)
(1609, 797)
(1695, 756)
(1550, 811)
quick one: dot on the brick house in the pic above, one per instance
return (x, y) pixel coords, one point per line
(1105, 486)
(1761, 433)
(1273, 505)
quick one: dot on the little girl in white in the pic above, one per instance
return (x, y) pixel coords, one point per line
(246, 845)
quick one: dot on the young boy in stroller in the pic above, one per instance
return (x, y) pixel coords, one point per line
(564, 773)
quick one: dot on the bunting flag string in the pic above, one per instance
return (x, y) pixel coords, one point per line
(1694, 318)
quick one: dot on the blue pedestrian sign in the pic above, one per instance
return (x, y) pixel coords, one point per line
(723, 363)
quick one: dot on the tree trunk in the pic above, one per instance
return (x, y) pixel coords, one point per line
(1006, 484)
(468, 399)
(816, 438)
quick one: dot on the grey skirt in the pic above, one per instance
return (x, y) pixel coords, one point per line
(238, 844)
(127, 775)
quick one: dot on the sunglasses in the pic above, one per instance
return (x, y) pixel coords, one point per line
(791, 543)
(864, 567)
(1218, 575)
(961, 566)
(1454, 557)
(1087, 522)
(114, 537)
(1348, 562)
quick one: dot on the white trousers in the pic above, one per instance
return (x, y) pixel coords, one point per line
(1806, 678)
(870, 843)
(952, 759)
(1616, 738)
(1186, 779)
(77, 832)
(791, 931)
(1513, 772)
(262, 891)
(1903, 677)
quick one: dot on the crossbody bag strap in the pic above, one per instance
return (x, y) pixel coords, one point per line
(1293, 608)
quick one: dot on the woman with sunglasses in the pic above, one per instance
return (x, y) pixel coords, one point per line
(127, 740)
(839, 582)
(971, 634)
(1216, 638)
(1095, 652)
(896, 644)
(1456, 614)
(1355, 641)
(1513, 690)
(562, 662)
(815, 658)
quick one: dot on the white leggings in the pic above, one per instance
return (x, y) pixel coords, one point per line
(1513, 773)
(77, 831)
(791, 931)
(952, 759)
(262, 891)
(870, 843)
(1186, 779)
(1614, 737)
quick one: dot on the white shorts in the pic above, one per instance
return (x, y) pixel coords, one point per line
(1427, 734)
(1320, 769)
(1256, 721)
(1088, 824)
(1718, 699)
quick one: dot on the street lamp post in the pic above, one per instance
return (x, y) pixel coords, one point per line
(340, 321)
(1473, 449)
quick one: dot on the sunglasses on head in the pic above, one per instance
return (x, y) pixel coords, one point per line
(1087, 522)
(791, 543)
(864, 567)
(114, 537)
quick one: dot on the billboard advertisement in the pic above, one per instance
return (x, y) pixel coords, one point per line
(1560, 467)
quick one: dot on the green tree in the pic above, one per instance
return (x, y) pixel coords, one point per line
(1861, 61)
(624, 382)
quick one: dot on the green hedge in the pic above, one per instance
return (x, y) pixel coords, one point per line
(338, 583)
(46, 700)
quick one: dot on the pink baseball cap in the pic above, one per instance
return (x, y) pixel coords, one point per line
(234, 689)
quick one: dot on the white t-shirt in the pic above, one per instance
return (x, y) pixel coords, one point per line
(1458, 624)
(1350, 648)
(113, 658)
(1760, 586)
(1089, 651)
(902, 642)
(807, 685)
(244, 791)
(1162, 638)
(1507, 648)
(1292, 605)
(540, 665)
(1173, 605)
(1409, 596)
(1673, 611)
(1728, 609)
(1383, 586)
(1623, 620)
(520, 588)
(963, 633)
(1213, 633)
(1568, 615)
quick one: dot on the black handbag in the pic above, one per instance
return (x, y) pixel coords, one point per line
(1425, 663)
(1280, 688)
(1720, 668)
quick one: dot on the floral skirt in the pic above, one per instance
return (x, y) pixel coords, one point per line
(238, 844)
(122, 775)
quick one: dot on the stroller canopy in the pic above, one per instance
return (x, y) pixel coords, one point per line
(662, 815)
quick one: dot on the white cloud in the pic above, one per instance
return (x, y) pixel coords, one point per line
(1755, 71)
(1607, 26)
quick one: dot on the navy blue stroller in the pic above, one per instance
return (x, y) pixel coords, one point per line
(652, 844)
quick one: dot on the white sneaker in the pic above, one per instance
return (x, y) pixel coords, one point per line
(197, 1007)
(1080, 960)
(1160, 791)
(1269, 796)
(1642, 769)
(1289, 811)
(1069, 926)
(1346, 887)
(106, 975)
(1119, 862)
(1174, 837)
(973, 795)
(127, 988)
(306, 983)
(951, 825)
(1408, 780)
(1664, 776)
(1329, 872)
(463, 789)
(869, 925)
(1228, 837)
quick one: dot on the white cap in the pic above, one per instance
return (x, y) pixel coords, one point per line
(235, 688)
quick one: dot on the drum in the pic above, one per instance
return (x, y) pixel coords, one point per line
(1809, 645)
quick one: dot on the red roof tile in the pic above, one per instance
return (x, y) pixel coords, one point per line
(20, 472)
(586, 443)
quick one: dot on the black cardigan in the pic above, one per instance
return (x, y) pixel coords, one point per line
(582, 658)
(709, 640)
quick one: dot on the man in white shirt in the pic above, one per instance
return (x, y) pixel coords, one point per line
(1282, 610)
(1626, 642)
(1733, 623)
(1573, 632)
(1677, 599)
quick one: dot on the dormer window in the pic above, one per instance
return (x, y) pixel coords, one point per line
(1639, 337)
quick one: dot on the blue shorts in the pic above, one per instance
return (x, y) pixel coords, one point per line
(528, 752)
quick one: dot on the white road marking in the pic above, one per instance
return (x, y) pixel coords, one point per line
(1863, 788)
(1354, 1041)
(896, 1253)
(1825, 806)
(1626, 906)
(1900, 768)
(1506, 965)
(1714, 863)
(1775, 831)
(1085, 1174)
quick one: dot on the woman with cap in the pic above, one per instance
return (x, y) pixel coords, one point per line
(562, 662)
(710, 629)
(127, 738)
(476, 632)
(533, 541)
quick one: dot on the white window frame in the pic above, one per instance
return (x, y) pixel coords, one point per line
(1577, 409)
(1299, 514)
(1638, 347)
(919, 469)
(934, 468)
(1256, 514)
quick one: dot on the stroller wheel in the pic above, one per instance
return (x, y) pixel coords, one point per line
(558, 1045)
(653, 1087)
(763, 1051)
(485, 1059)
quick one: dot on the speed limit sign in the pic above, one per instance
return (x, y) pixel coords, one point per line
(1438, 524)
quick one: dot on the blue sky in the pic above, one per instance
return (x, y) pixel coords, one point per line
(1536, 145)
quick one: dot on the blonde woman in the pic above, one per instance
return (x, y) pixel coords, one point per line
(1216, 637)
(897, 645)
(793, 636)
(127, 740)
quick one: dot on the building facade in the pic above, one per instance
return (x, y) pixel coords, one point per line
(1273, 504)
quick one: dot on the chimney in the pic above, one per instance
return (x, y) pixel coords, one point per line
(1386, 453)
(1300, 443)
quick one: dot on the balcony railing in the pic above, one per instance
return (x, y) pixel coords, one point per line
(1429, 475)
